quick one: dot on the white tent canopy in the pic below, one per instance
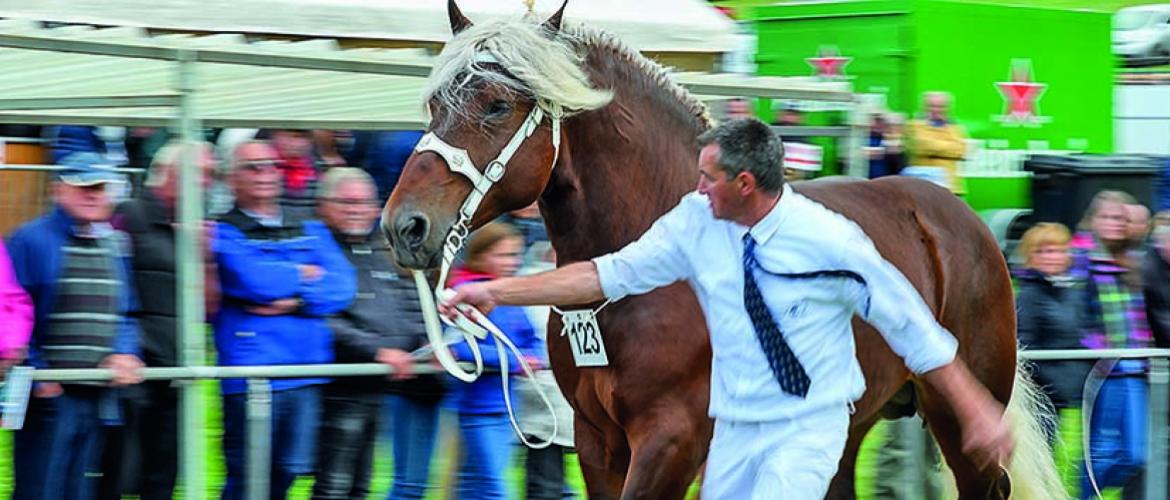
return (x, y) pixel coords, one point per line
(120, 76)
(647, 25)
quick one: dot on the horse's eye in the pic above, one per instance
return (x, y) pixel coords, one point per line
(498, 108)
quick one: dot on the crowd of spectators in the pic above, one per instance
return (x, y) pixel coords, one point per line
(295, 273)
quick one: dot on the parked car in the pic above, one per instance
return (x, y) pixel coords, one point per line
(1142, 31)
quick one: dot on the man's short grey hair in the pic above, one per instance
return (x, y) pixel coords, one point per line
(335, 177)
(170, 156)
(235, 160)
(1162, 233)
(944, 96)
(748, 145)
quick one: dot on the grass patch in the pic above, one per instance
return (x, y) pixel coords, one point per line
(443, 467)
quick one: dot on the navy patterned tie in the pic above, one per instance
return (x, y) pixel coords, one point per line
(783, 362)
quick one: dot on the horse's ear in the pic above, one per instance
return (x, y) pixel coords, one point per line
(459, 22)
(553, 24)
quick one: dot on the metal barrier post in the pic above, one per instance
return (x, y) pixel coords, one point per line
(1159, 403)
(259, 439)
(189, 292)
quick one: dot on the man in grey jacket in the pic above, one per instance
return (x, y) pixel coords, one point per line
(383, 325)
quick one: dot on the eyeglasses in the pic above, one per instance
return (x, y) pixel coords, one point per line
(258, 165)
(352, 202)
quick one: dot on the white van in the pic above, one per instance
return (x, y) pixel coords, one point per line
(1142, 31)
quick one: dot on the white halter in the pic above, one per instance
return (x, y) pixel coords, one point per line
(471, 322)
(460, 162)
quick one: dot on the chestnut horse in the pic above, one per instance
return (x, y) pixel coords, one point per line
(607, 144)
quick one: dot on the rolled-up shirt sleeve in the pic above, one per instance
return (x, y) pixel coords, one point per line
(656, 259)
(888, 301)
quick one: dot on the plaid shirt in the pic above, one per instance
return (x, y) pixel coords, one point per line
(1116, 311)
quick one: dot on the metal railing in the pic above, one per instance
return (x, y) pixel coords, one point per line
(259, 398)
(1158, 404)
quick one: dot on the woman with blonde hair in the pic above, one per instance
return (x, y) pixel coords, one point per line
(1049, 306)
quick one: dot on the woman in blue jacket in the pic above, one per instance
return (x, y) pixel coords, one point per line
(488, 440)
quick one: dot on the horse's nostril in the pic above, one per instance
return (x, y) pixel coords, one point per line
(412, 230)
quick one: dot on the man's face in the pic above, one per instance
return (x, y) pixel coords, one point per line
(85, 204)
(255, 176)
(791, 118)
(1139, 222)
(737, 108)
(1162, 243)
(292, 143)
(170, 189)
(722, 193)
(937, 107)
(351, 210)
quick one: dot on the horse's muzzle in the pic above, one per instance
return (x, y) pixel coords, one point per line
(408, 235)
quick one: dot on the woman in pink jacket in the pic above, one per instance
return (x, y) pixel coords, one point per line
(16, 315)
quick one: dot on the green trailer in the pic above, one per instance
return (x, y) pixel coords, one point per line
(1025, 74)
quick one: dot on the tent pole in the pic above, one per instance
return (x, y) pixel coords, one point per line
(190, 275)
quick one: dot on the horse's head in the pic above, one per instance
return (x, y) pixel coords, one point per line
(496, 97)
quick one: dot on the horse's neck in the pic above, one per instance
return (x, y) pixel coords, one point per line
(622, 167)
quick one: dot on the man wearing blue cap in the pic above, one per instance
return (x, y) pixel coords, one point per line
(71, 263)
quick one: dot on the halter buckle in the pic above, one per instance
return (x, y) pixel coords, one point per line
(494, 171)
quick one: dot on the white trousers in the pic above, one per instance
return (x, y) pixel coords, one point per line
(787, 459)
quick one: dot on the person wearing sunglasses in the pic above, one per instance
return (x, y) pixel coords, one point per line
(280, 277)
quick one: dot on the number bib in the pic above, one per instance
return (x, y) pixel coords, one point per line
(584, 337)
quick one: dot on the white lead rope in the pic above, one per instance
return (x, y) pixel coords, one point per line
(474, 325)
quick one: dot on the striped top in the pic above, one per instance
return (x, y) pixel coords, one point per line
(85, 321)
(1116, 309)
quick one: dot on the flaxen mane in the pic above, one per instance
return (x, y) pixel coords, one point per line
(546, 68)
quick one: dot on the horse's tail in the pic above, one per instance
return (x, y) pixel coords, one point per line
(1030, 414)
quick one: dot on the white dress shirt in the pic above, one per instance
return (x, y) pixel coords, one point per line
(797, 237)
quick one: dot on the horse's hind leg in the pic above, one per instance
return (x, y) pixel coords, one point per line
(667, 449)
(972, 483)
(843, 487)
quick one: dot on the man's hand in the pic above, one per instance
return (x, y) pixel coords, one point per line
(477, 295)
(46, 390)
(987, 437)
(534, 362)
(276, 308)
(310, 272)
(397, 359)
(125, 367)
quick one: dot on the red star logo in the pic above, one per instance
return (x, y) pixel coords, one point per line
(829, 64)
(1021, 93)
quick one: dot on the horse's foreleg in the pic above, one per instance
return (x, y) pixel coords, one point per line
(667, 448)
(602, 470)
